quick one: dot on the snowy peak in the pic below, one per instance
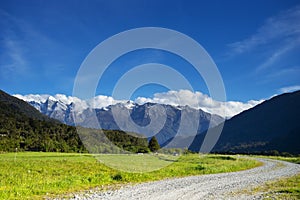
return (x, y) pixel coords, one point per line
(33, 97)
(51, 98)
(194, 100)
(181, 120)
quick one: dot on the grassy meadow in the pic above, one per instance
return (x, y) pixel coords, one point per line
(34, 175)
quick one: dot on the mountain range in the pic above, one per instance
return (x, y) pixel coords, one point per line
(164, 121)
(272, 126)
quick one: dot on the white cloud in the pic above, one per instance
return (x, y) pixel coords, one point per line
(289, 89)
(199, 100)
(276, 55)
(196, 100)
(33, 97)
(12, 58)
(284, 26)
(100, 101)
(20, 41)
(286, 72)
(13, 54)
(276, 38)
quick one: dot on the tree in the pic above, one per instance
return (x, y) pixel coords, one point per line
(153, 144)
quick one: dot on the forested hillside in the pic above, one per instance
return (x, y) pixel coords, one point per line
(23, 128)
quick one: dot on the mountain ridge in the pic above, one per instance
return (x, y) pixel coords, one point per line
(271, 125)
(73, 113)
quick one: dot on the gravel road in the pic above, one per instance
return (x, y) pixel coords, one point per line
(213, 186)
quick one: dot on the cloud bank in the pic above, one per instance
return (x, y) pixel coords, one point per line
(195, 100)
(289, 89)
(199, 100)
(100, 101)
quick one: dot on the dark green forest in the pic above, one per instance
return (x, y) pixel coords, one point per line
(23, 128)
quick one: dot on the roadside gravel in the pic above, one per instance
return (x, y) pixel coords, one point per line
(212, 186)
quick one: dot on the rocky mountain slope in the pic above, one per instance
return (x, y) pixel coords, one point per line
(182, 121)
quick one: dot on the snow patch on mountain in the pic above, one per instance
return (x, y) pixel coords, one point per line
(179, 99)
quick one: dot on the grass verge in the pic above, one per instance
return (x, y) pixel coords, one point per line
(32, 175)
(288, 159)
(285, 188)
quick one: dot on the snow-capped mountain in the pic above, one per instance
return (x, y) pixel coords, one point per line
(165, 121)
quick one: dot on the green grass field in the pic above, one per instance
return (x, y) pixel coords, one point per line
(31, 175)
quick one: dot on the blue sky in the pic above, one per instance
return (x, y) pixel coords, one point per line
(255, 44)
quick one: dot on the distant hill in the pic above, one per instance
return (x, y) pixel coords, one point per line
(271, 125)
(25, 128)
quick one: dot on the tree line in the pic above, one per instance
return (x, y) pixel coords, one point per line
(28, 134)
